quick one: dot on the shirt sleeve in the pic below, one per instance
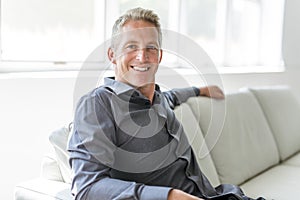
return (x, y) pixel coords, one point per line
(97, 184)
(91, 152)
(178, 96)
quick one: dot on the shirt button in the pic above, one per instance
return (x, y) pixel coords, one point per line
(135, 94)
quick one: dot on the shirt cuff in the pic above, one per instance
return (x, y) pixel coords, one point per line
(197, 91)
(183, 94)
(155, 193)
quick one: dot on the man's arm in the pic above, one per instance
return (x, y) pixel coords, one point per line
(180, 195)
(96, 183)
(177, 96)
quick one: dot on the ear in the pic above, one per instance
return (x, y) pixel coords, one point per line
(160, 55)
(111, 55)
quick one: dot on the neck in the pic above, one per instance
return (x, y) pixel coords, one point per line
(148, 91)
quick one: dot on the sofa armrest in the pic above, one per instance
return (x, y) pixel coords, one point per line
(43, 189)
(50, 169)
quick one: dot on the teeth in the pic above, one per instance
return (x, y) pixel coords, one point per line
(141, 69)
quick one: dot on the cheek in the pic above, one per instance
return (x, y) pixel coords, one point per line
(122, 63)
(154, 61)
(126, 59)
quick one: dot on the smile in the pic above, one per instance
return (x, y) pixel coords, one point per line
(140, 69)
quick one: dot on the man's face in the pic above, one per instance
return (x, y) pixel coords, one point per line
(137, 53)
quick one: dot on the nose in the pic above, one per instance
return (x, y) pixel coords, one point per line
(142, 55)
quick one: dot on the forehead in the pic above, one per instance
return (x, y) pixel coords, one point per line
(135, 24)
(139, 30)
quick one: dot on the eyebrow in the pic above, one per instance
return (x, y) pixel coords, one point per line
(136, 42)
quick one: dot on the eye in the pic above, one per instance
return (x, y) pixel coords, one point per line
(131, 47)
(152, 47)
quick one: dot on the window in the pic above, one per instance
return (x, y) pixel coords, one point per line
(38, 33)
(236, 33)
(254, 33)
(59, 34)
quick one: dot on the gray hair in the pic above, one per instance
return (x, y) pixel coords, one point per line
(136, 14)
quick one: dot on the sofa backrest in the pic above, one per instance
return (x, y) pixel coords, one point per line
(191, 127)
(232, 138)
(59, 140)
(282, 110)
(244, 146)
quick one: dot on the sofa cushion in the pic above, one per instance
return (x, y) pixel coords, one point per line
(280, 182)
(59, 140)
(294, 160)
(50, 169)
(282, 110)
(40, 188)
(244, 146)
(190, 125)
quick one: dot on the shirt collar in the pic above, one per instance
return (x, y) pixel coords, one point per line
(116, 86)
(119, 87)
(122, 88)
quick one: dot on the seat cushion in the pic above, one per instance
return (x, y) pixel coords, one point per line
(242, 145)
(282, 110)
(190, 125)
(42, 189)
(280, 182)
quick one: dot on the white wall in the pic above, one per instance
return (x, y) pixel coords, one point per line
(30, 108)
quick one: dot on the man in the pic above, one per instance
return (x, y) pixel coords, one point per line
(127, 143)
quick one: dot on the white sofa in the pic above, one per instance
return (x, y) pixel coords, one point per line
(252, 139)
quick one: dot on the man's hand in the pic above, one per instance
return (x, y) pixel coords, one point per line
(212, 91)
(175, 194)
